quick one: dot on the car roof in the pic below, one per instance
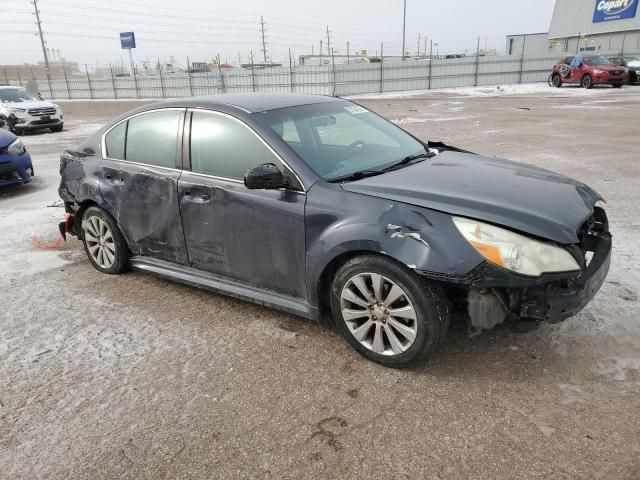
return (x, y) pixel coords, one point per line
(249, 102)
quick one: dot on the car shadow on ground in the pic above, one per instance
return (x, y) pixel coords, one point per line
(16, 191)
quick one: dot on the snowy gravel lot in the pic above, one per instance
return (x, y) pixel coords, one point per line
(138, 377)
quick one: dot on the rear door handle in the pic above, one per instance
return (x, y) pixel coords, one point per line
(196, 197)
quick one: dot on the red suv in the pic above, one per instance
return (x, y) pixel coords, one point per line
(587, 71)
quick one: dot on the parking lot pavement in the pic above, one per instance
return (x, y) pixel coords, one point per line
(136, 377)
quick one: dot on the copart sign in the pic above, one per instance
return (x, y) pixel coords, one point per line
(607, 10)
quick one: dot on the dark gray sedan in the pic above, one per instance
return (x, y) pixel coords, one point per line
(316, 205)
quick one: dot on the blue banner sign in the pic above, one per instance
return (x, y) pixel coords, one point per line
(127, 40)
(607, 10)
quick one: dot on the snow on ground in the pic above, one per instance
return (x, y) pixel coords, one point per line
(489, 91)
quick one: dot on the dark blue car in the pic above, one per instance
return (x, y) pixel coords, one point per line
(315, 205)
(15, 162)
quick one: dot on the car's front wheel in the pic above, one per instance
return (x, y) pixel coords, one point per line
(587, 81)
(556, 80)
(57, 128)
(104, 244)
(387, 312)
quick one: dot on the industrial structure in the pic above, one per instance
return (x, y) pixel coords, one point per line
(584, 26)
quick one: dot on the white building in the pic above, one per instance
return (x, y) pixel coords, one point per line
(607, 26)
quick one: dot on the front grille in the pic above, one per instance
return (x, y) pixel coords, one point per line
(616, 73)
(596, 225)
(10, 176)
(38, 112)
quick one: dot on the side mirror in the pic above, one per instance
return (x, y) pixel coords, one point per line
(266, 176)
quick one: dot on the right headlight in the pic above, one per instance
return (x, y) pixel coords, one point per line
(513, 251)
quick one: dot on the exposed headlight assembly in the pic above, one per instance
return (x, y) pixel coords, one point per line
(513, 251)
(17, 110)
(16, 147)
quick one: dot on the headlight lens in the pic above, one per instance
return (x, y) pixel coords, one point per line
(598, 71)
(17, 147)
(513, 251)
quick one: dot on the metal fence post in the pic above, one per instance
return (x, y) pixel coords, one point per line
(381, 67)
(290, 72)
(6, 80)
(430, 63)
(224, 86)
(135, 80)
(66, 82)
(253, 74)
(475, 83)
(88, 81)
(524, 41)
(333, 73)
(161, 80)
(113, 83)
(189, 76)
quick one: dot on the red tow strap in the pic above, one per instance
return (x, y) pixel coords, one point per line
(58, 242)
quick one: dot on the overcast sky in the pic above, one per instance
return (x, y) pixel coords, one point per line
(202, 29)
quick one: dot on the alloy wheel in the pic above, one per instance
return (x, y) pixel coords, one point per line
(100, 241)
(379, 314)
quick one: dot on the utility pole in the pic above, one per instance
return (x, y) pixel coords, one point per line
(404, 26)
(347, 53)
(42, 42)
(418, 45)
(320, 52)
(264, 45)
(328, 41)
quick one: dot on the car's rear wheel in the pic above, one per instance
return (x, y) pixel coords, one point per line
(105, 246)
(556, 80)
(388, 313)
(587, 81)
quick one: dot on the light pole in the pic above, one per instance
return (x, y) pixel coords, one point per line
(404, 28)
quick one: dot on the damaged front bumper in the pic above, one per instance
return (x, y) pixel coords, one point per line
(495, 294)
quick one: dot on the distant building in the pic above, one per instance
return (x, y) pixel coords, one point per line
(608, 26)
(24, 72)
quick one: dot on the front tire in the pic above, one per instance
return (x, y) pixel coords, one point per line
(104, 244)
(587, 82)
(57, 128)
(617, 85)
(388, 313)
(556, 80)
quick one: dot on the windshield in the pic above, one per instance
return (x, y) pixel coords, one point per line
(340, 138)
(11, 95)
(592, 61)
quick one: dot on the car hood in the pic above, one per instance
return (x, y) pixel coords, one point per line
(28, 105)
(6, 138)
(511, 194)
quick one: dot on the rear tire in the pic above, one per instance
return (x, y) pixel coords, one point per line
(103, 242)
(587, 82)
(399, 319)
